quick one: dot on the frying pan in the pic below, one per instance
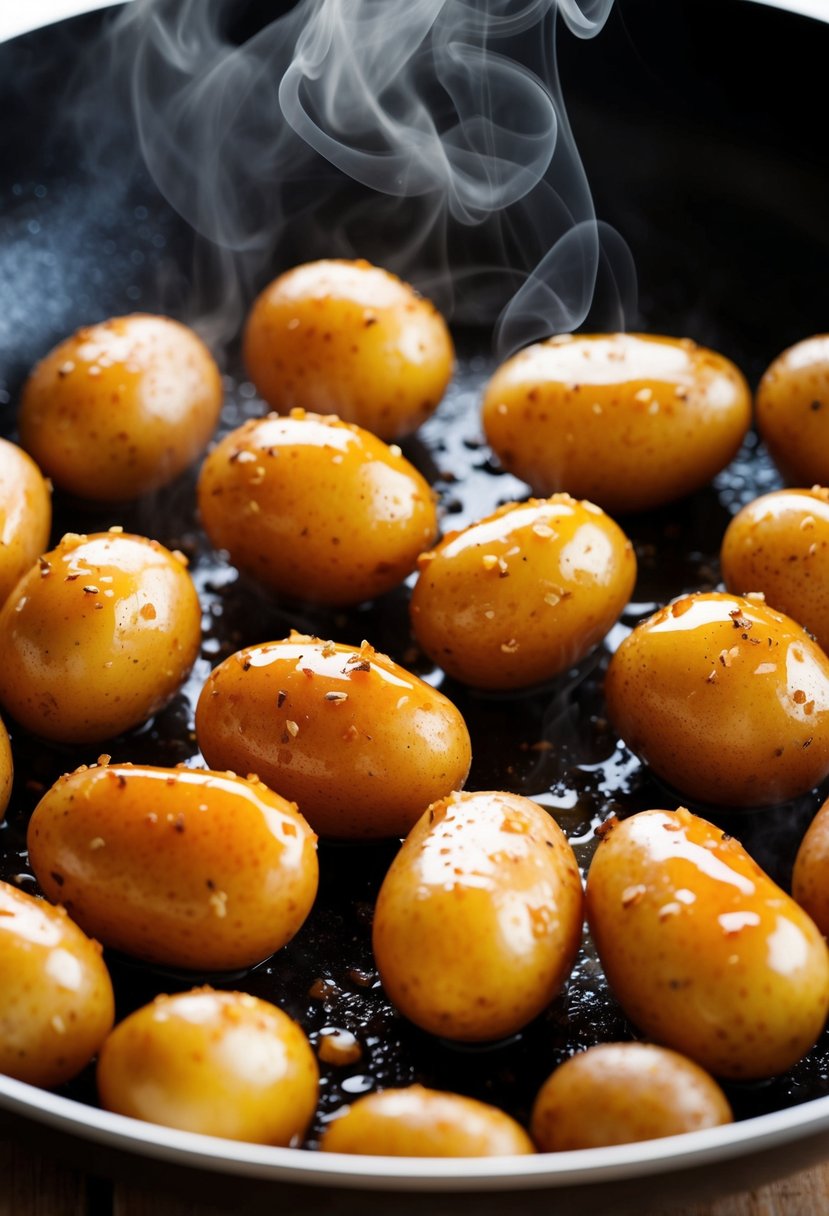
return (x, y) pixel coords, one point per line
(696, 123)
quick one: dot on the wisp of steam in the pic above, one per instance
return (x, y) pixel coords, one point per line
(428, 135)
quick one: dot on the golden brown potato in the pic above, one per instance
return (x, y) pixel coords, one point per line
(97, 637)
(221, 1063)
(810, 879)
(520, 596)
(351, 339)
(316, 509)
(792, 407)
(56, 1002)
(25, 515)
(6, 770)
(703, 951)
(725, 699)
(177, 866)
(357, 741)
(479, 918)
(620, 1093)
(419, 1122)
(630, 421)
(778, 545)
(122, 407)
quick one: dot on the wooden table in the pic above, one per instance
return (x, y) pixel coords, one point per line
(32, 1184)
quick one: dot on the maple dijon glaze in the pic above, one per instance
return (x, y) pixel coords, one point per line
(725, 699)
(704, 952)
(315, 508)
(179, 867)
(630, 421)
(479, 917)
(361, 744)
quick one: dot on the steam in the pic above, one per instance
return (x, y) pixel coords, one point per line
(444, 117)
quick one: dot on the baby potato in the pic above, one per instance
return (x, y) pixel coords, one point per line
(811, 870)
(630, 421)
(316, 509)
(620, 1093)
(361, 744)
(6, 770)
(25, 515)
(792, 410)
(703, 951)
(122, 407)
(419, 1122)
(725, 699)
(778, 545)
(479, 918)
(351, 339)
(176, 866)
(56, 1001)
(520, 596)
(97, 637)
(220, 1063)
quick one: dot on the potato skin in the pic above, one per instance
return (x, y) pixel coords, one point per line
(351, 339)
(725, 699)
(357, 741)
(6, 770)
(479, 917)
(179, 867)
(620, 1093)
(520, 596)
(316, 509)
(778, 545)
(220, 1063)
(703, 951)
(97, 637)
(56, 1000)
(630, 421)
(792, 411)
(122, 407)
(420, 1122)
(811, 868)
(25, 515)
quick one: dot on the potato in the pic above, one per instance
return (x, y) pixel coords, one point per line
(122, 407)
(792, 408)
(725, 699)
(6, 770)
(221, 1063)
(419, 1122)
(705, 953)
(619, 1093)
(25, 515)
(56, 1001)
(811, 870)
(97, 637)
(348, 338)
(778, 545)
(176, 866)
(479, 918)
(525, 593)
(361, 744)
(316, 509)
(630, 421)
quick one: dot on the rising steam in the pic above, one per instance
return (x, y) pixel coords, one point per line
(445, 118)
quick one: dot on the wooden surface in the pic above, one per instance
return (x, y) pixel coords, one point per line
(34, 1185)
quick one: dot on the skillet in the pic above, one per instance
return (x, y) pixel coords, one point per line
(696, 122)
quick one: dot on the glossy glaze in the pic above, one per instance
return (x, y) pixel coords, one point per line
(630, 421)
(725, 699)
(702, 950)
(56, 1001)
(315, 508)
(25, 515)
(98, 636)
(121, 408)
(810, 878)
(357, 741)
(192, 869)
(792, 408)
(479, 917)
(351, 339)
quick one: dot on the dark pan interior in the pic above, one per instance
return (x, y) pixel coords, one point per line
(695, 121)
